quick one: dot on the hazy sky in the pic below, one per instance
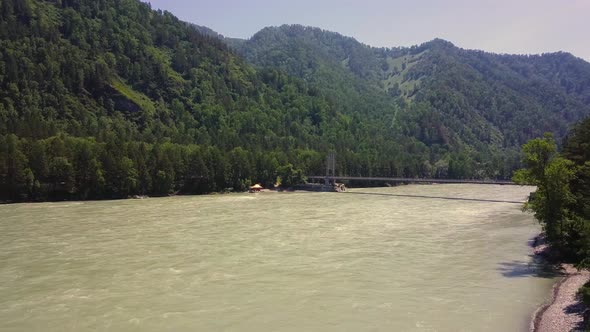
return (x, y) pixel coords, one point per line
(503, 26)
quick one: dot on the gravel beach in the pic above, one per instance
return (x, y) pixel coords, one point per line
(564, 312)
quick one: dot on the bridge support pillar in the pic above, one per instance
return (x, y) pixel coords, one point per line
(330, 168)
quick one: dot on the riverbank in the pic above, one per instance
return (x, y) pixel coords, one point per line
(565, 311)
(138, 197)
(299, 189)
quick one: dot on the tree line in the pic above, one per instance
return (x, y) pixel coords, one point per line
(561, 202)
(67, 167)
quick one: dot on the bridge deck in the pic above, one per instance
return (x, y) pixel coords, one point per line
(412, 180)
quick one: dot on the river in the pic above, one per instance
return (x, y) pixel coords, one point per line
(410, 258)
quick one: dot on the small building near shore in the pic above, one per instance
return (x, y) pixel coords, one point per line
(255, 188)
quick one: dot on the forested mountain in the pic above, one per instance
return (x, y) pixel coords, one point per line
(109, 98)
(472, 96)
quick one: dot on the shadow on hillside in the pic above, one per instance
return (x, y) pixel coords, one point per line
(437, 197)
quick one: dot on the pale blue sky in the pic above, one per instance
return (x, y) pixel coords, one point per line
(502, 26)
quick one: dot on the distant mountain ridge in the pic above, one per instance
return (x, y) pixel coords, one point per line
(539, 92)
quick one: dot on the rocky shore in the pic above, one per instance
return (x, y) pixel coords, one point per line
(564, 312)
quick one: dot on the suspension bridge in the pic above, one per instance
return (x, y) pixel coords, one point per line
(330, 178)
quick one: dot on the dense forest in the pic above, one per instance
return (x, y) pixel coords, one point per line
(561, 202)
(470, 97)
(109, 98)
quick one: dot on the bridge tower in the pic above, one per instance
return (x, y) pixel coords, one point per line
(330, 168)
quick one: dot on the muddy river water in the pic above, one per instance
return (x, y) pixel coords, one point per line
(410, 258)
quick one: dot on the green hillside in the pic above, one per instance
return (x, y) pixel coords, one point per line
(109, 98)
(475, 99)
(105, 99)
